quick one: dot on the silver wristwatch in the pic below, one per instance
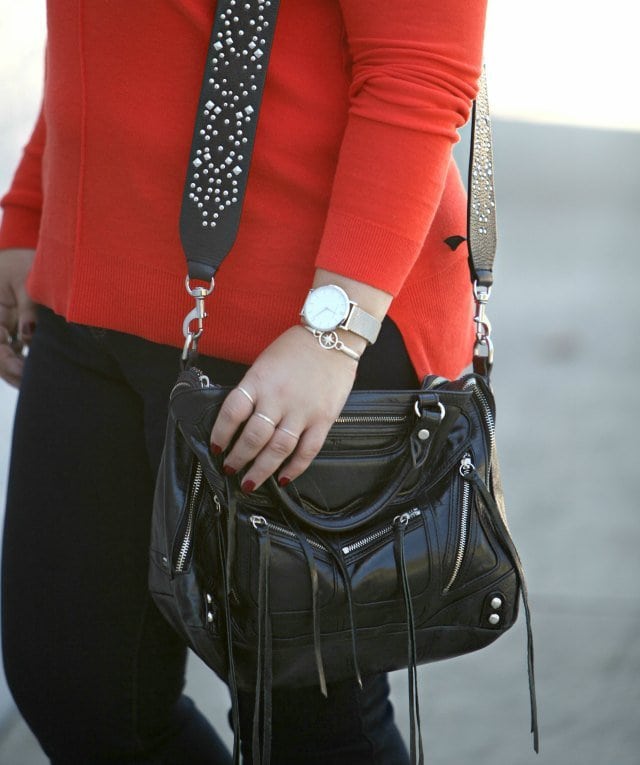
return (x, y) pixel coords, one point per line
(328, 308)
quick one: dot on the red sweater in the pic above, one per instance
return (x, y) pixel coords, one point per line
(352, 169)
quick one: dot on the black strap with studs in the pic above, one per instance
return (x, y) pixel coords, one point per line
(224, 135)
(224, 132)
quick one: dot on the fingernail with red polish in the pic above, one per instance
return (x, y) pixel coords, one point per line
(284, 481)
(215, 449)
(248, 486)
(228, 470)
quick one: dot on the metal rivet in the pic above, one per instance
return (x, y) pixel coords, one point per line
(209, 598)
(209, 617)
(496, 603)
(423, 434)
(494, 619)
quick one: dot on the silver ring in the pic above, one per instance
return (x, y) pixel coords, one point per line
(265, 418)
(247, 394)
(289, 432)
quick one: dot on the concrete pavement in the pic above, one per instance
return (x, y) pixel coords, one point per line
(565, 313)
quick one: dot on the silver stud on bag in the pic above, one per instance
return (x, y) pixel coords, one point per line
(496, 603)
(423, 434)
(494, 619)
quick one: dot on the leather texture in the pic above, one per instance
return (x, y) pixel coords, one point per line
(367, 475)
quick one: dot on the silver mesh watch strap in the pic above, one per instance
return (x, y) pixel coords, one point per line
(362, 323)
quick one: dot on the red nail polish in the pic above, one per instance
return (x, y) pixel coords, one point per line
(284, 481)
(215, 449)
(228, 470)
(248, 486)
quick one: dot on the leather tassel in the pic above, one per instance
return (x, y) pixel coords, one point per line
(414, 699)
(505, 538)
(313, 577)
(232, 517)
(349, 593)
(231, 679)
(263, 689)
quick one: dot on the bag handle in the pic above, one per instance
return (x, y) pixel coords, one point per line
(356, 518)
(222, 146)
(432, 424)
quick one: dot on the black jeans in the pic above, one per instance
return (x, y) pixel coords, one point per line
(94, 669)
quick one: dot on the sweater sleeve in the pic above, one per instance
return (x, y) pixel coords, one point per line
(414, 71)
(22, 204)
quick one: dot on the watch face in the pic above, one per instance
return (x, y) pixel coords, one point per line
(326, 307)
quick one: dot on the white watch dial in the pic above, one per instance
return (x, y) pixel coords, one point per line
(326, 307)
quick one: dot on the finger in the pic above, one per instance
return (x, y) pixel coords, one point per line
(237, 408)
(279, 447)
(26, 321)
(256, 434)
(307, 450)
(11, 365)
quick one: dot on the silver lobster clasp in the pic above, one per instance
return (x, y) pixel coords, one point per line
(483, 349)
(196, 314)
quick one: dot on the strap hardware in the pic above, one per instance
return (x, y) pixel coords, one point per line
(197, 314)
(483, 348)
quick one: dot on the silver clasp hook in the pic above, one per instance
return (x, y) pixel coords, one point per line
(483, 349)
(197, 314)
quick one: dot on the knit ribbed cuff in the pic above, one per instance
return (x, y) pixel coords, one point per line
(366, 252)
(20, 227)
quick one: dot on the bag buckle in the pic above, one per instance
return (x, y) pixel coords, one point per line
(483, 348)
(196, 314)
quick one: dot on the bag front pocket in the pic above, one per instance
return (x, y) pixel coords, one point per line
(289, 572)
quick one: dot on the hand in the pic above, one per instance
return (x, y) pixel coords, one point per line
(297, 385)
(17, 313)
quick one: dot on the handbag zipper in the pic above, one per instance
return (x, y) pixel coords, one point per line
(370, 419)
(375, 535)
(202, 381)
(466, 466)
(488, 419)
(195, 494)
(260, 520)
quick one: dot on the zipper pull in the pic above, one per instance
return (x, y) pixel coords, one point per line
(401, 520)
(466, 466)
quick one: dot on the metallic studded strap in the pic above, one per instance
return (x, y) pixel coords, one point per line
(224, 135)
(224, 132)
(481, 205)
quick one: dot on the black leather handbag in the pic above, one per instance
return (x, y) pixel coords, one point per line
(392, 549)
